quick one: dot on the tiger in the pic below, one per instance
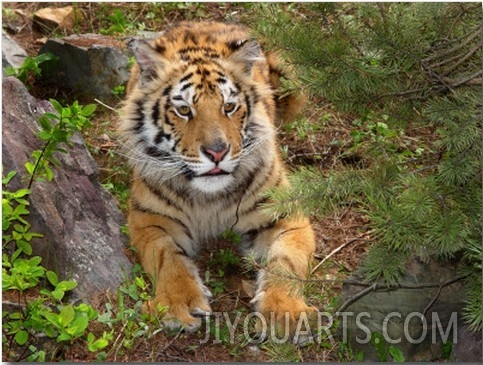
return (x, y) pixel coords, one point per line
(199, 127)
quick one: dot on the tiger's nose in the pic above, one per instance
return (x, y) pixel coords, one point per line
(216, 152)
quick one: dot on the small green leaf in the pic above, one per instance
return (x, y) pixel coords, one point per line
(66, 113)
(25, 247)
(44, 135)
(88, 110)
(44, 122)
(78, 327)
(20, 210)
(49, 331)
(9, 177)
(21, 193)
(51, 116)
(21, 337)
(63, 337)
(66, 315)
(58, 108)
(49, 175)
(57, 294)
(60, 135)
(66, 285)
(97, 345)
(53, 318)
(52, 277)
(29, 166)
(35, 261)
(396, 354)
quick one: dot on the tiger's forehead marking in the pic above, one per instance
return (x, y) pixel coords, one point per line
(206, 79)
(188, 42)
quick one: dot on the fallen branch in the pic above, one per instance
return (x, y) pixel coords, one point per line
(370, 287)
(355, 298)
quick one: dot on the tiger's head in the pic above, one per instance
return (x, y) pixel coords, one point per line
(200, 108)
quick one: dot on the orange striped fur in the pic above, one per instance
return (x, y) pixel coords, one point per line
(199, 128)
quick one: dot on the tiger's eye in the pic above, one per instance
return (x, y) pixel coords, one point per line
(229, 107)
(183, 110)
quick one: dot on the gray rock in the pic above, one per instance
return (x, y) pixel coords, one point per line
(398, 314)
(89, 64)
(468, 347)
(79, 219)
(12, 54)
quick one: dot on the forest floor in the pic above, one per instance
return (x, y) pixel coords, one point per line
(341, 237)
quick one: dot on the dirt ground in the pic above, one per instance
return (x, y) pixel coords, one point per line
(341, 237)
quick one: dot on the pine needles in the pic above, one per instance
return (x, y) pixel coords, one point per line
(396, 69)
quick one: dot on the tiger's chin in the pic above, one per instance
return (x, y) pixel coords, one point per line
(212, 184)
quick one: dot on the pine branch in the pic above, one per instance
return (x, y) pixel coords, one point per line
(444, 53)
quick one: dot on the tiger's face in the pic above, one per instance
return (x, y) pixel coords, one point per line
(204, 126)
(198, 118)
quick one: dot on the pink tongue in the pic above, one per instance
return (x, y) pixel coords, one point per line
(216, 170)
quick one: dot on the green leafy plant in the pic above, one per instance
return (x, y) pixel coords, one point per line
(119, 91)
(383, 349)
(128, 319)
(57, 129)
(118, 21)
(22, 272)
(220, 262)
(31, 68)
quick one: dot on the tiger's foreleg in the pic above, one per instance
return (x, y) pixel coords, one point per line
(177, 283)
(286, 252)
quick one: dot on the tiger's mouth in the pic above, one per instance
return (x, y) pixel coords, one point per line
(216, 171)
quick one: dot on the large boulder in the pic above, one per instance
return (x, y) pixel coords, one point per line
(469, 345)
(12, 54)
(418, 317)
(90, 65)
(78, 218)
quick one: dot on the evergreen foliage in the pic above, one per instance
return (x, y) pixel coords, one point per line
(409, 76)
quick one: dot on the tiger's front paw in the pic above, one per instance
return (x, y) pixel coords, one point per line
(286, 316)
(185, 309)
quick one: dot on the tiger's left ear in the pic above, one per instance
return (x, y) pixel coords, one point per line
(246, 52)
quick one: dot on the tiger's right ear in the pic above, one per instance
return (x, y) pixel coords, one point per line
(148, 58)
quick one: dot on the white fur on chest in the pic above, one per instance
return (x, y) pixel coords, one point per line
(210, 220)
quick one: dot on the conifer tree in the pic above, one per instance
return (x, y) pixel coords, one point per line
(395, 68)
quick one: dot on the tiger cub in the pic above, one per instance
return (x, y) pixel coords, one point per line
(199, 128)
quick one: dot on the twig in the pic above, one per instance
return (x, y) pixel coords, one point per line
(105, 105)
(34, 171)
(456, 83)
(461, 59)
(446, 283)
(171, 342)
(333, 252)
(432, 301)
(7, 303)
(469, 38)
(356, 297)
(309, 155)
(113, 349)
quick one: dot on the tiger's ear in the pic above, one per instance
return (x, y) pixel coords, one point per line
(148, 58)
(246, 52)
